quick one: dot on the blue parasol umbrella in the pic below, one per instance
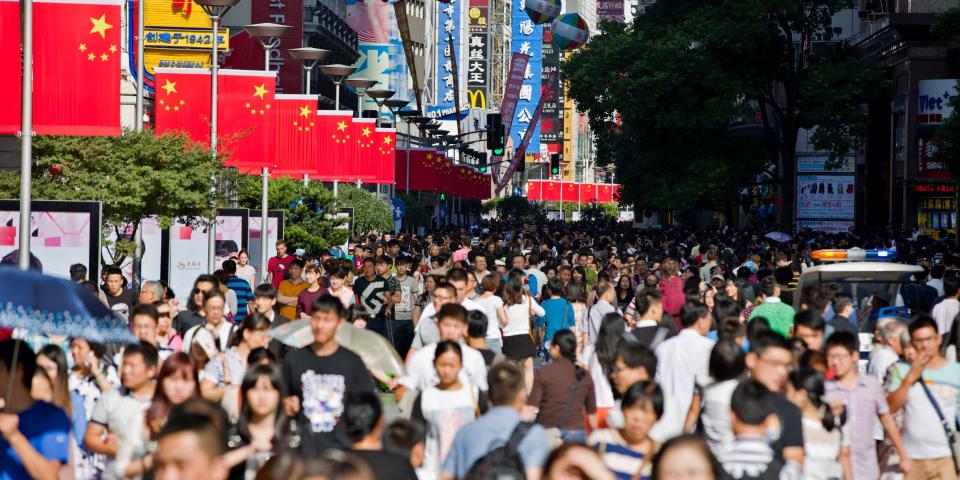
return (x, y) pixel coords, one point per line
(39, 303)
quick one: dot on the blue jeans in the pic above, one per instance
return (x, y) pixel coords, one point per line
(494, 345)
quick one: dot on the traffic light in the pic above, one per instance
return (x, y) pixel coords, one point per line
(443, 197)
(482, 162)
(554, 164)
(496, 137)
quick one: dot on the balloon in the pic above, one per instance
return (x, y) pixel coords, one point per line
(542, 11)
(570, 31)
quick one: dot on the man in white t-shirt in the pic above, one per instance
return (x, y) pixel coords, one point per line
(533, 269)
(685, 357)
(421, 374)
(945, 311)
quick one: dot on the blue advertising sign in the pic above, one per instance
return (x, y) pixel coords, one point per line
(527, 38)
(398, 209)
(449, 23)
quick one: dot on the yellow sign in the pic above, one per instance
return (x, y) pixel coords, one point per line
(175, 14)
(178, 38)
(154, 58)
(477, 99)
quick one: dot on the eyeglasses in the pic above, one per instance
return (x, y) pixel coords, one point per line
(443, 297)
(923, 340)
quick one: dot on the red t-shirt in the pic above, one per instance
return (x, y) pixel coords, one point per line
(277, 267)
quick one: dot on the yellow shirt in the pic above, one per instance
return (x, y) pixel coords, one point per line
(290, 289)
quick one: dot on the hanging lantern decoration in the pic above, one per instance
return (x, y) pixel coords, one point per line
(570, 31)
(543, 11)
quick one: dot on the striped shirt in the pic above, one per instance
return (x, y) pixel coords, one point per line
(244, 295)
(749, 457)
(623, 461)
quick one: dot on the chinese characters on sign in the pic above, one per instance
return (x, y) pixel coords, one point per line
(477, 53)
(527, 38)
(163, 38)
(610, 11)
(551, 121)
(449, 25)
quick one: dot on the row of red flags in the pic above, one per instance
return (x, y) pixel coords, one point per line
(284, 133)
(432, 171)
(557, 191)
(76, 67)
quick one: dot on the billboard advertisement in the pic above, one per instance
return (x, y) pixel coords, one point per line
(929, 165)
(450, 25)
(933, 100)
(62, 234)
(825, 197)
(382, 57)
(551, 120)
(526, 38)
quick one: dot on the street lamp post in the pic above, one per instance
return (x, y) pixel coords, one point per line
(26, 129)
(268, 35)
(215, 9)
(360, 85)
(308, 57)
(337, 73)
(397, 107)
(379, 96)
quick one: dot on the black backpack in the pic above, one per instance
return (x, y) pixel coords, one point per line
(503, 462)
(772, 472)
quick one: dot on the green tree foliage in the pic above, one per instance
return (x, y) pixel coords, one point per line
(515, 208)
(136, 176)
(306, 209)
(595, 212)
(687, 71)
(370, 213)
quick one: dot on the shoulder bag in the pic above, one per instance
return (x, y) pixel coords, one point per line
(952, 440)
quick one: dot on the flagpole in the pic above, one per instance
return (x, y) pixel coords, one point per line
(138, 126)
(26, 127)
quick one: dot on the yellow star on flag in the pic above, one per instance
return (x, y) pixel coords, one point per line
(83, 47)
(247, 105)
(169, 87)
(305, 111)
(386, 140)
(366, 132)
(429, 156)
(341, 126)
(104, 57)
(260, 91)
(100, 25)
(91, 56)
(113, 49)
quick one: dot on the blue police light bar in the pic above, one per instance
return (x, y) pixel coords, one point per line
(854, 255)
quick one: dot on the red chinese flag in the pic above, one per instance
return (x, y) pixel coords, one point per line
(365, 156)
(182, 102)
(588, 193)
(533, 190)
(550, 191)
(616, 193)
(604, 193)
(246, 118)
(386, 149)
(485, 186)
(10, 66)
(334, 136)
(571, 192)
(296, 138)
(76, 67)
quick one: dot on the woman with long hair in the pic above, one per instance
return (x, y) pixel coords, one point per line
(563, 392)
(624, 291)
(493, 309)
(258, 433)
(733, 290)
(520, 308)
(599, 359)
(425, 297)
(228, 368)
(244, 269)
(176, 384)
(826, 455)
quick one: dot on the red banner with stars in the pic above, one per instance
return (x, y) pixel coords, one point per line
(182, 102)
(365, 155)
(297, 141)
(76, 67)
(386, 139)
(246, 118)
(333, 137)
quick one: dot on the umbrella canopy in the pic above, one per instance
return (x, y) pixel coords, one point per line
(40, 303)
(373, 349)
(778, 237)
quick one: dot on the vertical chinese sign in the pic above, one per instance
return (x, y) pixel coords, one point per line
(526, 38)
(449, 24)
(478, 51)
(551, 126)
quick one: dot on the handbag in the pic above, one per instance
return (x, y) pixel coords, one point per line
(554, 434)
(952, 439)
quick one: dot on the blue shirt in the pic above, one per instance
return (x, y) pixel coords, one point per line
(244, 295)
(559, 316)
(492, 430)
(47, 429)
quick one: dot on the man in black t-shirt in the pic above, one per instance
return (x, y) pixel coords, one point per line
(120, 299)
(371, 292)
(317, 378)
(769, 361)
(363, 418)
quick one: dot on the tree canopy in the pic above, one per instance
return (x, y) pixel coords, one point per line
(693, 98)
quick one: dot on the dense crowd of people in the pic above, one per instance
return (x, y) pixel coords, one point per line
(555, 351)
